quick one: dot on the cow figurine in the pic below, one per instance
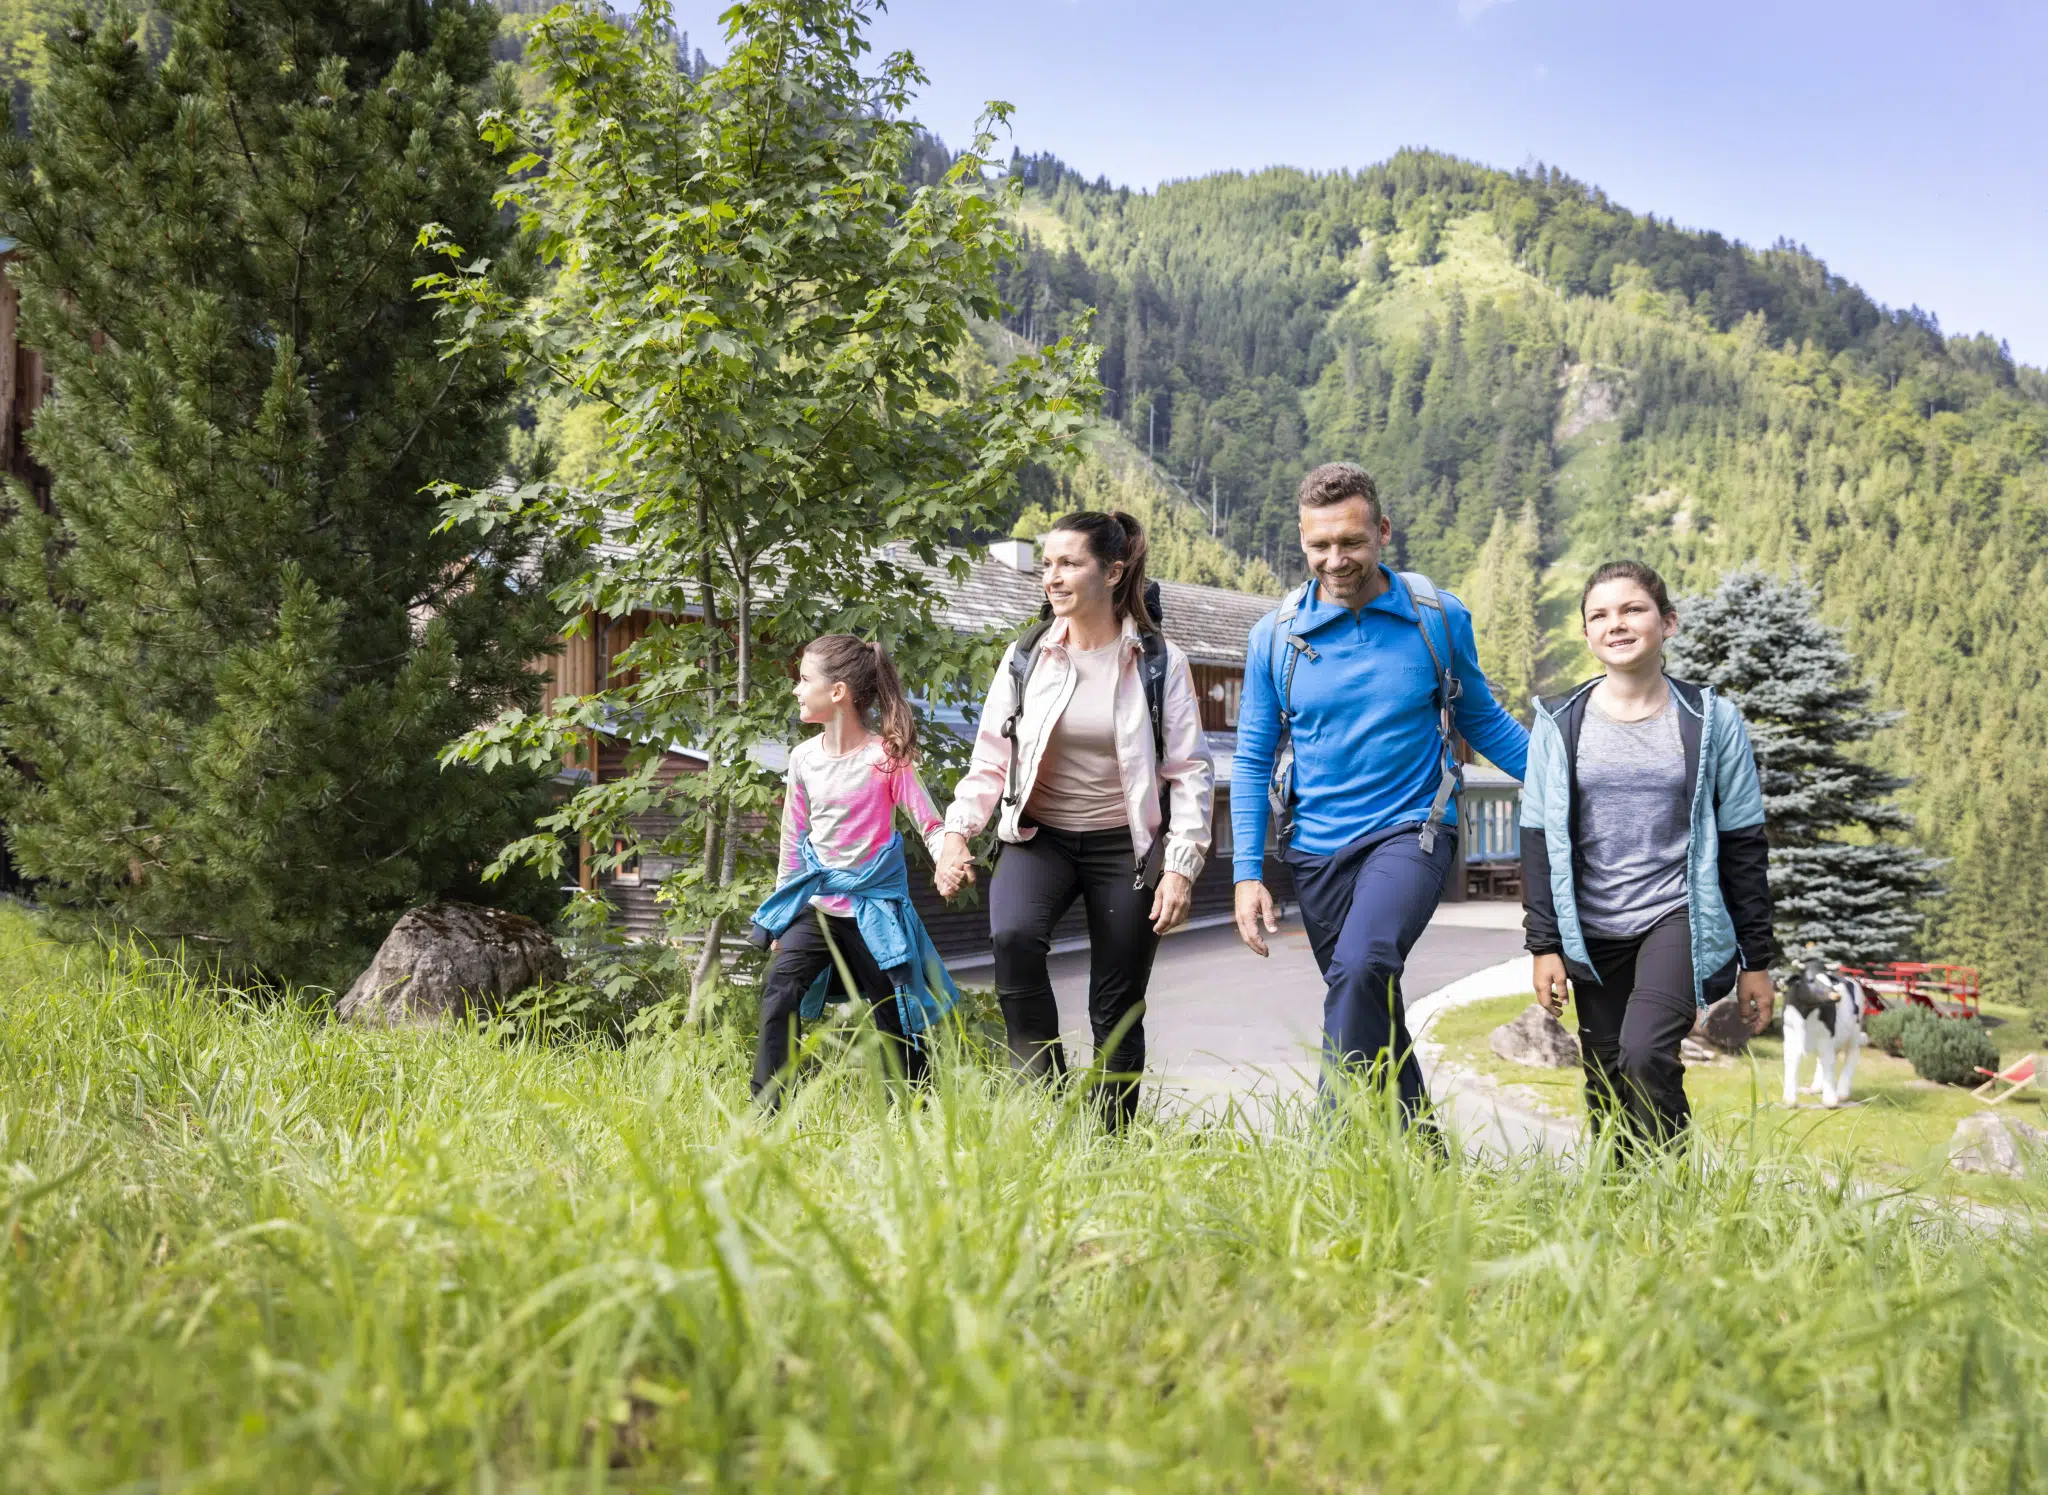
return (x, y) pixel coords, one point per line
(1824, 1018)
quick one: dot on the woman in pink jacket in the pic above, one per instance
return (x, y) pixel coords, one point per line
(1081, 798)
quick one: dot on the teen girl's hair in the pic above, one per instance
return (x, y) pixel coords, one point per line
(1112, 538)
(1636, 572)
(869, 676)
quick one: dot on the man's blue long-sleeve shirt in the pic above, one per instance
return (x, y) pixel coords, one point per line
(1367, 752)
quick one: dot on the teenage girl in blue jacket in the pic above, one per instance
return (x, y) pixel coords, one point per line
(1643, 858)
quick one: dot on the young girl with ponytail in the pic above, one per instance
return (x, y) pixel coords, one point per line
(1087, 806)
(844, 889)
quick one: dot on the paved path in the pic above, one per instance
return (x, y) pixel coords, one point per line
(1223, 1022)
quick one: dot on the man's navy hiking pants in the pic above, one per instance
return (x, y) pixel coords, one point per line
(1364, 907)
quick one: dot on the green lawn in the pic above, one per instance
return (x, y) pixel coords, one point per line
(1898, 1127)
(246, 1250)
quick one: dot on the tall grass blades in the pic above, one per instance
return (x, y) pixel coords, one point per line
(247, 1250)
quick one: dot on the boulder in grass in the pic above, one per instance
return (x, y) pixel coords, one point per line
(1724, 1027)
(1991, 1143)
(1535, 1038)
(446, 960)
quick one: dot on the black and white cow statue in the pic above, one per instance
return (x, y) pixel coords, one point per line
(1823, 1018)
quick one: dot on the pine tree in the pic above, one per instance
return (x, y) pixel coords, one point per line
(232, 658)
(1844, 884)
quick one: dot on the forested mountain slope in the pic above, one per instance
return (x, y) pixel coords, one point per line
(1530, 369)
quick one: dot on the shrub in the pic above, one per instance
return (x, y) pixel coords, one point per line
(1948, 1051)
(1887, 1029)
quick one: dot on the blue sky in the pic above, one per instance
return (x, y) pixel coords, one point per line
(1899, 142)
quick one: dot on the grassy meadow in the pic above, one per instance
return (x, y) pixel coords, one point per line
(1896, 1129)
(247, 1250)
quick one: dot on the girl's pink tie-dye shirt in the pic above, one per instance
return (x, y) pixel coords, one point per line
(847, 806)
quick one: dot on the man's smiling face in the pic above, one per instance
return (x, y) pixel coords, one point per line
(1342, 543)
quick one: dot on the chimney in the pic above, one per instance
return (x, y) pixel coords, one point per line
(1018, 555)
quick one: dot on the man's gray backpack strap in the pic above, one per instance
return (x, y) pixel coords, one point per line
(1280, 796)
(1450, 777)
(1280, 788)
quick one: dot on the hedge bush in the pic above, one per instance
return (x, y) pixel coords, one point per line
(1887, 1030)
(1948, 1051)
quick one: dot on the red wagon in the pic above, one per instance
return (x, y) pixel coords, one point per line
(1948, 990)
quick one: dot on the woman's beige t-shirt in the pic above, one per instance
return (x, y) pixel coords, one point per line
(1079, 786)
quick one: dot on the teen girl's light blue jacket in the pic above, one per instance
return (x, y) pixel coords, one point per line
(1727, 888)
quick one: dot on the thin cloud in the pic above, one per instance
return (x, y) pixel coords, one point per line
(1470, 11)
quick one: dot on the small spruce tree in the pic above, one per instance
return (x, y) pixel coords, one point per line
(1503, 593)
(1845, 885)
(231, 657)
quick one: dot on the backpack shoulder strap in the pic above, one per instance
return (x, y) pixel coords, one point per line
(1422, 591)
(1023, 655)
(1152, 669)
(1427, 600)
(1294, 643)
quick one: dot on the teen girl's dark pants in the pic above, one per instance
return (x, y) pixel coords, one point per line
(1036, 882)
(1364, 907)
(1631, 1022)
(801, 955)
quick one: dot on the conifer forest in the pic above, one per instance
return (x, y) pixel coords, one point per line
(1530, 370)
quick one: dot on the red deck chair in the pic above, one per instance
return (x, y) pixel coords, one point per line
(2016, 1077)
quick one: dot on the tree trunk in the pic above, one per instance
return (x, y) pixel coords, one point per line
(728, 863)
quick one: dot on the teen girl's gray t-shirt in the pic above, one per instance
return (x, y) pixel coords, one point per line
(1634, 822)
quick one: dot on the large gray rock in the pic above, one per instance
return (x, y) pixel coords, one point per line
(1991, 1143)
(1724, 1027)
(447, 959)
(1535, 1038)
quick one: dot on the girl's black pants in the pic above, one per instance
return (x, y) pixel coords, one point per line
(800, 955)
(1630, 1025)
(1035, 883)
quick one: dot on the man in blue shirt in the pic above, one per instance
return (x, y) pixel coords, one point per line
(1374, 820)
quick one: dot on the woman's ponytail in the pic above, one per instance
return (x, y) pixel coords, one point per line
(1133, 600)
(869, 675)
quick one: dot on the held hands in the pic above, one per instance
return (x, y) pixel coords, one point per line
(1255, 907)
(1755, 997)
(955, 868)
(1549, 978)
(1170, 903)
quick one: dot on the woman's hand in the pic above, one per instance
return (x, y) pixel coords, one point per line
(955, 867)
(1755, 997)
(1549, 977)
(1170, 903)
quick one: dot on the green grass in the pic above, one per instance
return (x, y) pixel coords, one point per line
(1898, 1128)
(246, 1250)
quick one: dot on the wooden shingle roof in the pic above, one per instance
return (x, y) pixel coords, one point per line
(1210, 624)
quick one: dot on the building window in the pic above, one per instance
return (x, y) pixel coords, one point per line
(628, 871)
(1224, 696)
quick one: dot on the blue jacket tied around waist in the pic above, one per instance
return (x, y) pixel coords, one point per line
(895, 936)
(1727, 890)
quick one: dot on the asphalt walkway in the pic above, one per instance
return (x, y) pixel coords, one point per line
(1221, 1022)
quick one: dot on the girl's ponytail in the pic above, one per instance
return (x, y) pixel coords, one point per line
(870, 676)
(897, 721)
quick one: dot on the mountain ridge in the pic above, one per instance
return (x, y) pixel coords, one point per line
(1513, 353)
